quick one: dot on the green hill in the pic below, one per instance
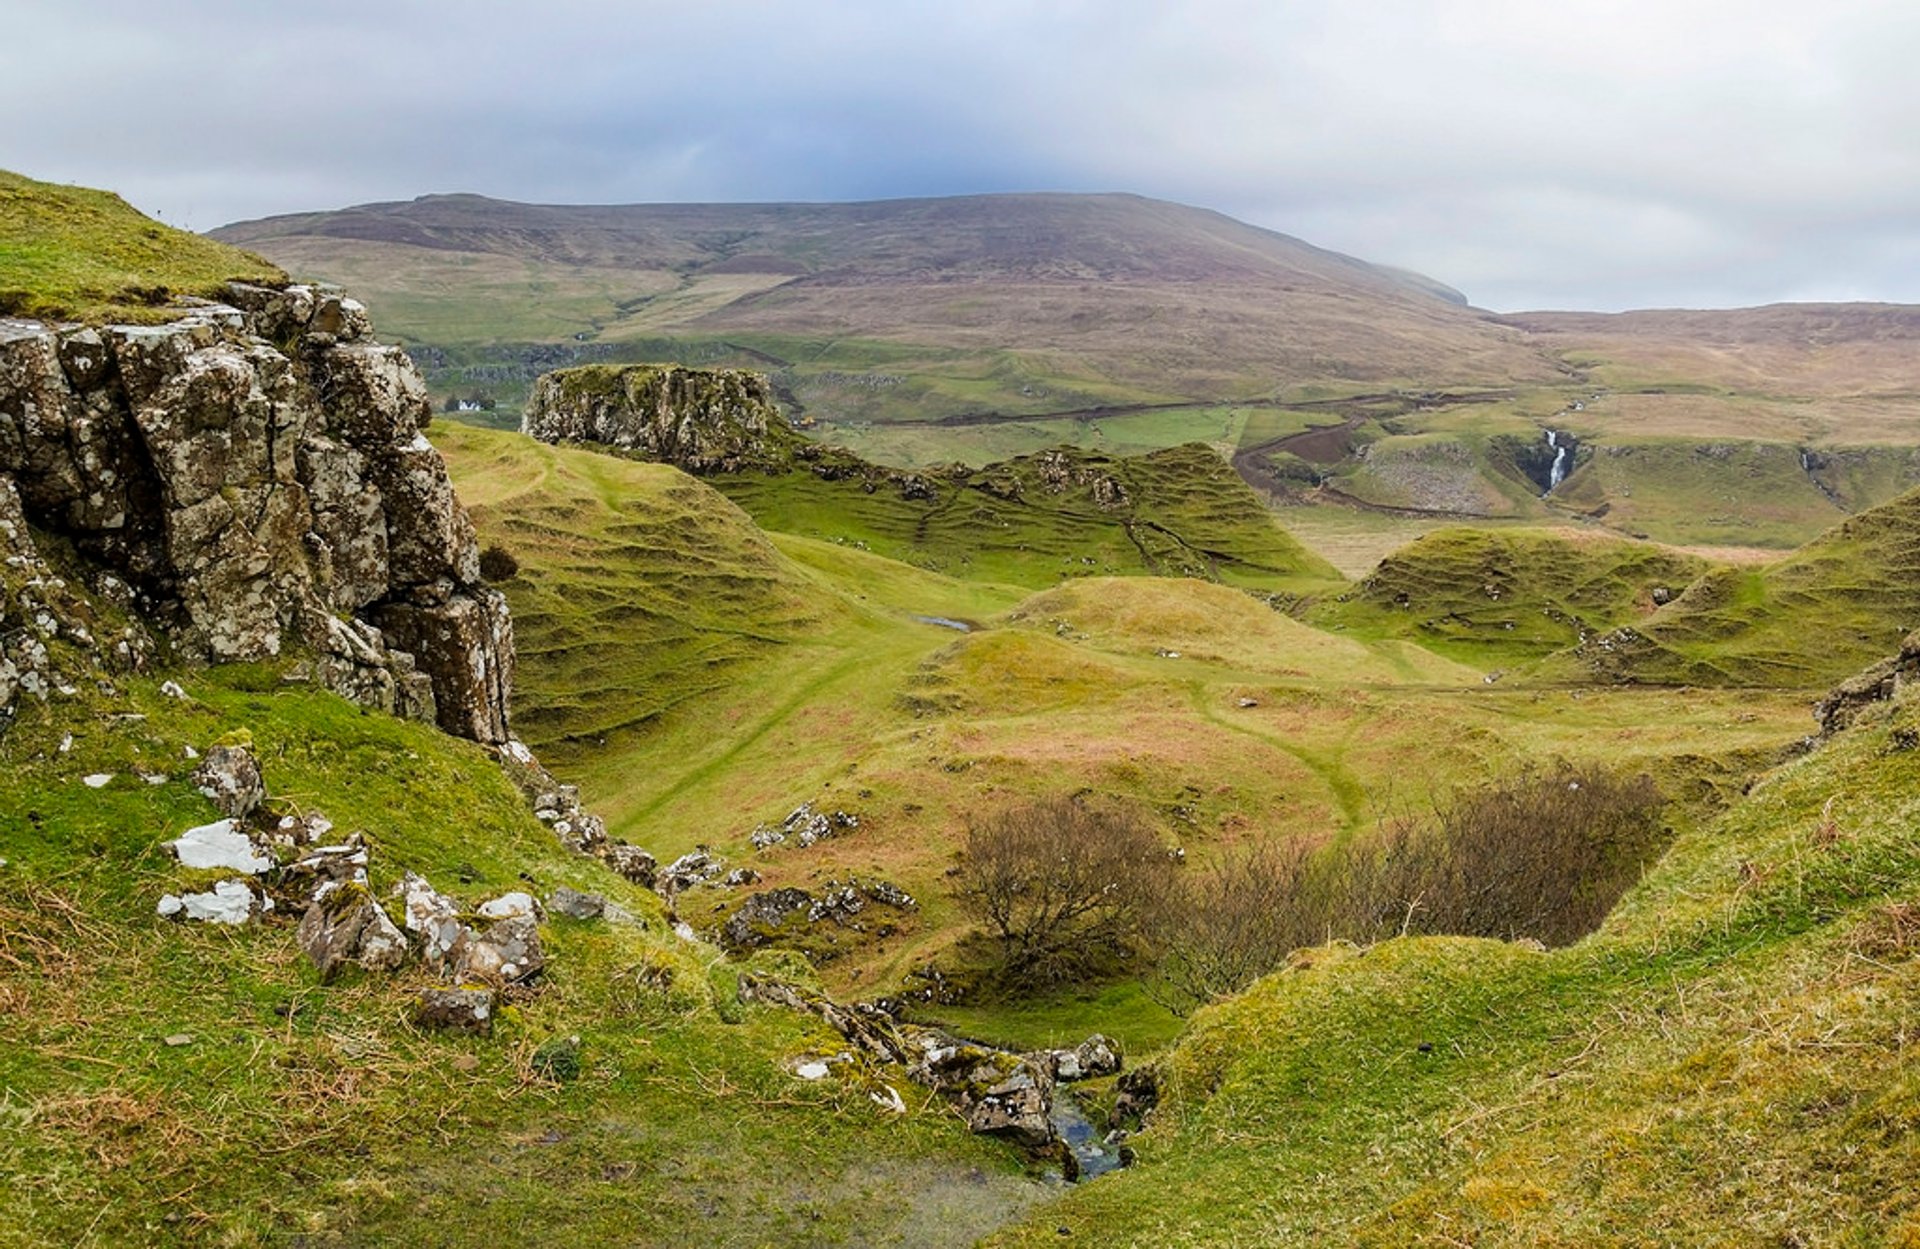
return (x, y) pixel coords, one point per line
(1510, 593)
(86, 255)
(1829, 608)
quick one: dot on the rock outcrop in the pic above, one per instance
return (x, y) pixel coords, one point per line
(700, 420)
(1881, 682)
(253, 477)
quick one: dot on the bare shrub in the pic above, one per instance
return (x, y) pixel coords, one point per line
(1543, 854)
(1062, 887)
(1225, 925)
(497, 563)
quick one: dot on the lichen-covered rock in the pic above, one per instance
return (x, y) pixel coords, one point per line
(576, 905)
(701, 420)
(256, 478)
(1018, 1108)
(632, 862)
(507, 952)
(345, 925)
(230, 777)
(760, 919)
(468, 1009)
(1098, 1055)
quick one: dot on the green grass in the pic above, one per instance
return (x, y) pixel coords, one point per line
(76, 254)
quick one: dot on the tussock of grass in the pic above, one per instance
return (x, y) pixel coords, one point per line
(76, 254)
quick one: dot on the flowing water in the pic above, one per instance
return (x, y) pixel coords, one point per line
(1558, 473)
(1095, 1157)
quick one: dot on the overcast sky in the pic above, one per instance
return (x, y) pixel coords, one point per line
(1534, 153)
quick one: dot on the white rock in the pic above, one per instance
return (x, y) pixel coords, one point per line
(509, 905)
(516, 750)
(191, 753)
(66, 743)
(172, 689)
(815, 1070)
(97, 780)
(685, 932)
(231, 902)
(155, 778)
(888, 1098)
(219, 845)
(169, 905)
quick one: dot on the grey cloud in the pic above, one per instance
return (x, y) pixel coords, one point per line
(1626, 153)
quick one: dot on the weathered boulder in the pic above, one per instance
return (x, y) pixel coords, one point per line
(1098, 1055)
(506, 952)
(576, 905)
(760, 919)
(345, 925)
(230, 777)
(254, 476)
(700, 420)
(1017, 1108)
(467, 1009)
(631, 862)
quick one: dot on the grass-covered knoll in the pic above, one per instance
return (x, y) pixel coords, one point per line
(1831, 607)
(1036, 520)
(72, 253)
(282, 1109)
(640, 589)
(1489, 594)
(1727, 1061)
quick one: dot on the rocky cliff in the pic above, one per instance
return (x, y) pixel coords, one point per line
(700, 420)
(252, 481)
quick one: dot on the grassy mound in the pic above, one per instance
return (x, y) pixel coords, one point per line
(640, 589)
(1518, 593)
(1037, 519)
(76, 254)
(1728, 1060)
(1831, 607)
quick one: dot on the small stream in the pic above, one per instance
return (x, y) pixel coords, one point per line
(1094, 1156)
(945, 623)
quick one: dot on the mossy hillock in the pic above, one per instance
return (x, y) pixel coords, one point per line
(1519, 593)
(1806, 620)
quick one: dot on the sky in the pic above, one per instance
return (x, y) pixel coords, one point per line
(1532, 153)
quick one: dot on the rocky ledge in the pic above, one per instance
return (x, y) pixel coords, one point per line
(252, 481)
(700, 420)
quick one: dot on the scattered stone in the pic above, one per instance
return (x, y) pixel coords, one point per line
(172, 689)
(694, 868)
(97, 780)
(178, 1039)
(576, 905)
(228, 902)
(508, 952)
(431, 914)
(346, 926)
(509, 906)
(632, 863)
(815, 1070)
(230, 777)
(739, 877)
(456, 1010)
(1245, 703)
(219, 845)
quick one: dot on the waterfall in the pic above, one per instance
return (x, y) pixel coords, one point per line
(1558, 473)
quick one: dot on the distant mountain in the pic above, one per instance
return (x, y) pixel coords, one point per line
(1003, 303)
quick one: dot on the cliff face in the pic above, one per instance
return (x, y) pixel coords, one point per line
(700, 420)
(250, 478)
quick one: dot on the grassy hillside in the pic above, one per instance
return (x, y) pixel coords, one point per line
(1728, 1061)
(1817, 615)
(1520, 593)
(86, 255)
(172, 1083)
